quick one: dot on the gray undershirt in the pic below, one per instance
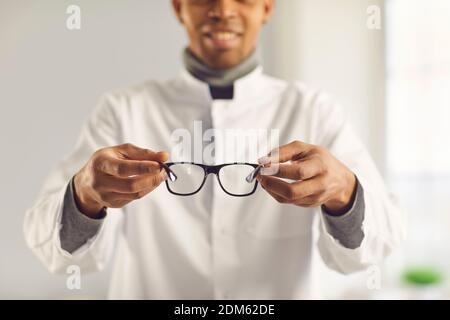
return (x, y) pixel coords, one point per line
(346, 228)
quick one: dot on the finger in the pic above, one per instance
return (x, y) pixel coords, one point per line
(307, 202)
(135, 153)
(146, 191)
(276, 197)
(311, 201)
(314, 192)
(126, 168)
(135, 184)
(116, 199)
(291, 191)
(292, 151)
(276, 186)
(298, 170)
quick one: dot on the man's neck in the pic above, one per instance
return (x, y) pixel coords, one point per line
(220, 81)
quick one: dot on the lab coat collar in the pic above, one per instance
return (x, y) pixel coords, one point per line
(245, 88)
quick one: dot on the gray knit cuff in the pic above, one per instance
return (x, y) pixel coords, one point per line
(77, 228)
(347, 228)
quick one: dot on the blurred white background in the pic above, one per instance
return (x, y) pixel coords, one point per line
(393, 82)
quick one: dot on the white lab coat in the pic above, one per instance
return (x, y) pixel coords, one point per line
(211, 245)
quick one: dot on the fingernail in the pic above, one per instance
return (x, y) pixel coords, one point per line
(163, 155)
(264, 160)
(164, 175)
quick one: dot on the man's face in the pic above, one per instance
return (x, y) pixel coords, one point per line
(223, 33)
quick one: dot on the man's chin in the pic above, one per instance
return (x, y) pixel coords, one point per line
(223, 59)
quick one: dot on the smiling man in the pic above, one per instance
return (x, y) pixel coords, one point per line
(220, 236)
(224, 37)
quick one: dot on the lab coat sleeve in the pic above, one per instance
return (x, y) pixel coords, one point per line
(42, 222)
(384, 223)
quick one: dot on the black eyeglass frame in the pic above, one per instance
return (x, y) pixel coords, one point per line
(214, 170)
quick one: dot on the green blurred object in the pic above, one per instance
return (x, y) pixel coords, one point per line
(422, 276)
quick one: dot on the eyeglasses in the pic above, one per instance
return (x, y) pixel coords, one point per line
(235, 179)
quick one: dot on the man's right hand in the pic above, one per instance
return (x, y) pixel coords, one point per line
(116, 176)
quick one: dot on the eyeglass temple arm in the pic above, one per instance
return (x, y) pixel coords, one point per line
(172, 176)
(252, 176)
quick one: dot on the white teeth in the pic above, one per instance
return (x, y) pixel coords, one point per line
(224, 36)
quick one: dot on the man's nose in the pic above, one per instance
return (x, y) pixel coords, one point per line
(223, 9)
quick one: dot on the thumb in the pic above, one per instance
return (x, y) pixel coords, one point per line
(136, 153)
(163, 156)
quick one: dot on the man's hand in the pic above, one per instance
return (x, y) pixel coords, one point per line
(319, 178)
(113, 177)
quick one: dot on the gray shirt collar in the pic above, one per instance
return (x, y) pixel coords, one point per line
(215, 77)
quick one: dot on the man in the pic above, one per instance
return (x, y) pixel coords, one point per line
(106, 195)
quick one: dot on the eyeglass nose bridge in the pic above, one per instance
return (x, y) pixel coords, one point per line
(212, 169)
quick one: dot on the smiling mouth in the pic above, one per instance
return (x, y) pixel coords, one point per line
(223, 39)
(222, 35)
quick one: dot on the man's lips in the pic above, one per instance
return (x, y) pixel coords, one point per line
(222, 35)
(223, 39)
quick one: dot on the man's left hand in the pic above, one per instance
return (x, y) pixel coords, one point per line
(318, 178)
